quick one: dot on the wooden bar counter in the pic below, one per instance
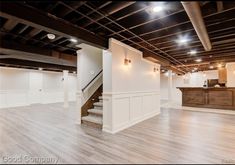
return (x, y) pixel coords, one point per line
(212, 97)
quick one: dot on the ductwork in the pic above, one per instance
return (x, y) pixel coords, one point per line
(194, 13)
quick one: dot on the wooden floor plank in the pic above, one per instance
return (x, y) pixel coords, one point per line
(174, 136)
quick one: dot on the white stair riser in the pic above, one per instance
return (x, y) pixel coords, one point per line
(98, 107)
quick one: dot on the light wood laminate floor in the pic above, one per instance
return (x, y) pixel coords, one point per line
(174, 136)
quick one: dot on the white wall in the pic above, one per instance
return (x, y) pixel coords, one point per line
(91, 63)
(131, 93)
(190, 80)
(230, 74)
(20, 87)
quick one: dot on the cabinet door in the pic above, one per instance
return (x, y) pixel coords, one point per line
(222, 75)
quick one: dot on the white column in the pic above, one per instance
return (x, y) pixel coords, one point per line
(79, 88)
(66, 92)
(169, 85)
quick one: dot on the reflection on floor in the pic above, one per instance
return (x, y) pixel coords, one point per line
(176, 105)
(174, 136)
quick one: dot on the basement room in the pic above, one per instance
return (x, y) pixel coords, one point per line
(117, 82)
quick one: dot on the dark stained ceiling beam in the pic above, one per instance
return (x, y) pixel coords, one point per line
(220, 6)
(147, 22)
(10, 24)
(202, 55)
(66, 11)
(212, 27)
(230, 11)
(32, 52)
(165, 55)
(33, 64)
(125, 16)
(117, 7)
(153, 53)
(201, 50)
(40, 42)
(35, 18)
(89, 13)
(177, 50)
(166, 48)
(227, 58)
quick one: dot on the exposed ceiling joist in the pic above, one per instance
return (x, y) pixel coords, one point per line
(119, 6)
(37, 19)
(24, 52)
(220, 6)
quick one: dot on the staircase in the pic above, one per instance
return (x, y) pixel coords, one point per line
(95, 115)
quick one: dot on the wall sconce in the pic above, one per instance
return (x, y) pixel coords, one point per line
(155, 69)
(127, 61)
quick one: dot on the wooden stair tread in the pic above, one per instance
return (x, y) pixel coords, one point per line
(96, 111)
(100, 104)
(93, 119)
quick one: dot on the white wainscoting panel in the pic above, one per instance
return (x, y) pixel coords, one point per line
(122, 110)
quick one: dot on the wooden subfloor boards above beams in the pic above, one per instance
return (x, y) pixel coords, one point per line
(32, 17)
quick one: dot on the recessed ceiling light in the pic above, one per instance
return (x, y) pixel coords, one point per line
(166, 74)
(73, 40)
(51, 36)
(198, 60)
(211, 56)
(192, 52)
(74, 72)
(211, 67)
(40, 69)
(219, 65)
(157, 8)
(182, 40)
(163, 70)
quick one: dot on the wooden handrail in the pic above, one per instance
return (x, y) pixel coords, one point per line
(92, 80)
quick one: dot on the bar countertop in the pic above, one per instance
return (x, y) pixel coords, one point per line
(205, 87)
(209, 97)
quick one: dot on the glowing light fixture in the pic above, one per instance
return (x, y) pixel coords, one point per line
(182, 40)
(219, 65)
(127, 61)
(40, 69)
(192, 52)
(51, 36)
(155, 69)
(73, 40)
(211, 67)
(198, 60)
(157, 8)
(204, 74)
(74, 72)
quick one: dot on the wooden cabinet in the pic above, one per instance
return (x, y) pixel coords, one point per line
(222, 75)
